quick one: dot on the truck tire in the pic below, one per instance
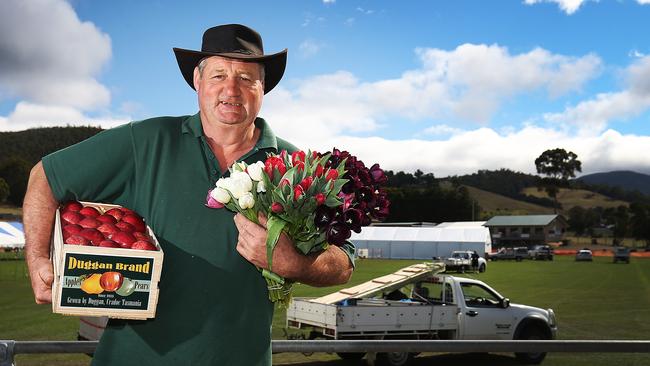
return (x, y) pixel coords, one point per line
(482, 268)
(394, 358)
(351, 356)
(532, 332)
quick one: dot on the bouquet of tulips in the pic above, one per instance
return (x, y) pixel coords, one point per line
(316, 199)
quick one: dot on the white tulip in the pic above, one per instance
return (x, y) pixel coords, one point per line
(221, 195)
(246, 200)
(261, 188)
(241, 183)
(256, 170)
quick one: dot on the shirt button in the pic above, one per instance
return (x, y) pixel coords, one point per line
(214, 172)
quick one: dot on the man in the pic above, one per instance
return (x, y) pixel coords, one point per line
(213, 306)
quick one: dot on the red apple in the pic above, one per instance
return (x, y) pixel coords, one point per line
(71, 217)
(108, 244)
(107, 219)
(89, 211)
(111, 281)
(123, 238)
(74, 206)
(116, 213)
(93, 235)
(77, 240)
(125, 226)
(139, 235)
(71, 228)
(143, 245)
(108, 229)
(134, 220)
(90, 222)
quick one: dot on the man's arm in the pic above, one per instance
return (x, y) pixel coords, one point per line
(330, 267)
(39, 209)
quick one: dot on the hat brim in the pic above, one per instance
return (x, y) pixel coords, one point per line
(274, 64)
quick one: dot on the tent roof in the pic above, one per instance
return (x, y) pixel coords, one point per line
(480, 234)
(11, 234)
(521, 220)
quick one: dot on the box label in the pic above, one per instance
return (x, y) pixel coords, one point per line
(106, 282)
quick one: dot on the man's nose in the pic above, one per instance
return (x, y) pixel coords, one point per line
(232, 85)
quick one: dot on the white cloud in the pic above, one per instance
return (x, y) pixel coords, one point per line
(592, 116)
(309, 48)
(329, 1)
(441, 130)
(567, 6)
(469, 82)
(365, 11)
(469, 151)
(28, 115)
(47, 55)
(643, 2)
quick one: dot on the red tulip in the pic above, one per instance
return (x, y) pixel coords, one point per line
(297, 192)
(306, 183)
(277, 208)
(319, 170)
(320, 198)
(297, 156)
(274, 162)
(332, 174)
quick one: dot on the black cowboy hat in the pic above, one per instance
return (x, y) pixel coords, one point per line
(233, 41)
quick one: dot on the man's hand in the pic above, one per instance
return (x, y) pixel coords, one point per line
(42, 276)
(39, 208)
(331, 267)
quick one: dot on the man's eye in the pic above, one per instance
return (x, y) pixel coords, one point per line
(245, 77)
(219, 76)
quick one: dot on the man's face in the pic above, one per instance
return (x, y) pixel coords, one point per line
(230, 91)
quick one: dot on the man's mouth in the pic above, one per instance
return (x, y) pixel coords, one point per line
(232, 104)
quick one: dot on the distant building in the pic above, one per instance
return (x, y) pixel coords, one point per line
(525, 230)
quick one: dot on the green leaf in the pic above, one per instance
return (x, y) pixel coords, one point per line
(274, 227)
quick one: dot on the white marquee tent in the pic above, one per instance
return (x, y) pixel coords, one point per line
(11, 235)
(426, 242)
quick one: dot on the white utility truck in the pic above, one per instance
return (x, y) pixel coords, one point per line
(461, 261)
(417, 302)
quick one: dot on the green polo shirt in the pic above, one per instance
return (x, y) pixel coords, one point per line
(213, 306)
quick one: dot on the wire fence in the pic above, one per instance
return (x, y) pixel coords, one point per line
(9, 348)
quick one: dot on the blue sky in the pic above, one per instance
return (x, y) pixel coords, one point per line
(448, 87)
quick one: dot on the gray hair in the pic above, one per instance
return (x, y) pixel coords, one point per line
(201, 66)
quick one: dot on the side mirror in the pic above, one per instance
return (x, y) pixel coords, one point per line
(504, 303)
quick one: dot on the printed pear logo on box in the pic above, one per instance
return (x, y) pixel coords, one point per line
(108, 282)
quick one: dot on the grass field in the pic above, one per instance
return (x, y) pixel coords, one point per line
(577, 197)
(598, 300)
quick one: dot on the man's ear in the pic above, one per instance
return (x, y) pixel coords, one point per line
(197, 78)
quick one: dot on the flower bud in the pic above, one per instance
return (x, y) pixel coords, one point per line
(261, 187)
(246, 200)
(211, 202)
(256, 170)
(320, 199)
(277, 208)
(332, 174)
(319, 170)
(220, 195)
(298, 191)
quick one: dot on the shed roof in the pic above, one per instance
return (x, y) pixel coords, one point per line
(11, 234)
(521, 220)
(462, 234)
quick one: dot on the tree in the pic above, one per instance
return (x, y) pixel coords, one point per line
(4, 190)
(558, 165)
(15, 172)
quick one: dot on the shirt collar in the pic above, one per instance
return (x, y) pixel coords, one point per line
(267, 140)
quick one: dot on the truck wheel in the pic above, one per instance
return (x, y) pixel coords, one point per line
(394, 358)
(532, 333)
(351, 356)
(481, 268)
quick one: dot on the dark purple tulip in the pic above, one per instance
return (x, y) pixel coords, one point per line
(353, 219)
(377, 174)
(324, 215)
(337, 233)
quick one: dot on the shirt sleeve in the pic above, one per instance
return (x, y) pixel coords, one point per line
(349, 249)
(99, 169)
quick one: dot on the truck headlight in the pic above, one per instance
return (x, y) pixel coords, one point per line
(551, 318)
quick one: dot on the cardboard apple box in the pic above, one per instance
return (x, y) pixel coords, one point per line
(137, 272)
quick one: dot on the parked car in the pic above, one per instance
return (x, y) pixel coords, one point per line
(584, 255)
(622, 254)
(516, 253)
(461, 261)
(541, 252)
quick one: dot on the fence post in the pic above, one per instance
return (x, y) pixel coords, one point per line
(7, 353)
